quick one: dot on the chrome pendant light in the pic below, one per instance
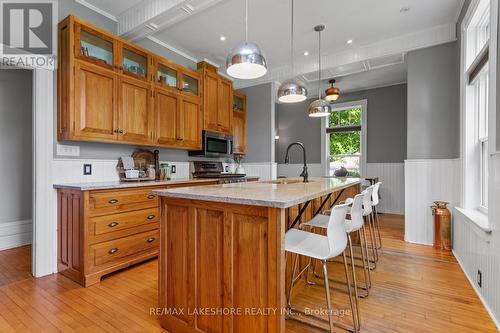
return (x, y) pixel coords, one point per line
(245, 61)
(292, 91)
(320, 107)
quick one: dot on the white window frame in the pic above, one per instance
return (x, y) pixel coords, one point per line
(325, 137)
(471, 190)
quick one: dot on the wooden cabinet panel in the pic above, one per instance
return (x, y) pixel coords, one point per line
(120, 249)
(211, 101)
(225, 110)
(95, 104)
(239, 132)
(191, 122)
(112, 223)
(105, 202)
(167, 106)
(134, 115)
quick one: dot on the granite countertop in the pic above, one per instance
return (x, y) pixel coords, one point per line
(118, 185)
(265, 193)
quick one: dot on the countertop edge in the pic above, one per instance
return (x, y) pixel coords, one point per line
(252, 202)
(117, 185)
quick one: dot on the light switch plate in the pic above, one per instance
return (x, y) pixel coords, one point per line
(173, 169)
(66, 150)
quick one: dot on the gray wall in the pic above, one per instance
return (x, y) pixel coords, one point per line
(260, 123)
(498, 87)
(16, 145)
(295, 125)
(386, 129)
(433, 103)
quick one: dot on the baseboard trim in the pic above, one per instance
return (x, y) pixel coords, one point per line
(15, 234)
(418, 243)
(481, 298)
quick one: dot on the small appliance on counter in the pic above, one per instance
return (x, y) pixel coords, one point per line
(214, 169)
(141, 166)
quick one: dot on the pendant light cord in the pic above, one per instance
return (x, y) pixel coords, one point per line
(319, 64)
(246, 21)
(291, 45)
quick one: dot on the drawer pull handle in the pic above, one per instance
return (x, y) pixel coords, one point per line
(151, 196)
(112, 201)
(113, 250)
(150, 217)
(113, 224)
(151, 240)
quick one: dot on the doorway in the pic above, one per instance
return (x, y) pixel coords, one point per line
(16, 173)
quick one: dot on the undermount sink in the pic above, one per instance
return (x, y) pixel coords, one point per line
(284, 181)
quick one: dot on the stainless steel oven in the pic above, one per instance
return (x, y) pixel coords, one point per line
(215, 145)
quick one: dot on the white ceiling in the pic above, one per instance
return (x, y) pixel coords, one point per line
(377, 28)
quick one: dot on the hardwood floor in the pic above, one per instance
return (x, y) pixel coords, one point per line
(15, 264)
(415, 289)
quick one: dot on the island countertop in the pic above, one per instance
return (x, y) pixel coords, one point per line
(281, 193)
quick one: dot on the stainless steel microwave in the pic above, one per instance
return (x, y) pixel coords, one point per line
(215, 145)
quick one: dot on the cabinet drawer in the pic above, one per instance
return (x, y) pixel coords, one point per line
(125, 248)
(102, 202)
(106, 224)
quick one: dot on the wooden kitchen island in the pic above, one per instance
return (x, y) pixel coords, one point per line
(222, 258)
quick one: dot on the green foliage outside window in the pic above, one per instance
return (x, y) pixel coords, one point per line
(350, 117)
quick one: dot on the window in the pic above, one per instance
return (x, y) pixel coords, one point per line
(477, 40)
(344, 134)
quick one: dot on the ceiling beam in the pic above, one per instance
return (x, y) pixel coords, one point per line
(398, 45)
(150, 16)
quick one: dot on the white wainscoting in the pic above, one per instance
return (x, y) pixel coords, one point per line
(265, 171)
(425, 182)
(476, 250)
(294, 170)
(392, 191)
(16, 233)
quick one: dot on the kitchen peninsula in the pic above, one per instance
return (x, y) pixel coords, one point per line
(222, 251)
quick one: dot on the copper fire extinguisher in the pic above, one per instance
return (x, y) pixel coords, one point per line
(442, 225)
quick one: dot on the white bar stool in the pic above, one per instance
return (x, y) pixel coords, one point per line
(375, 202)
(323, 248)
(355, 224)
(367, 215)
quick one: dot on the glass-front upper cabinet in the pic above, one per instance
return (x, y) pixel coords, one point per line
(239, 102)
(190, 84)
(94, 47)
(166, 75)
(134, 62)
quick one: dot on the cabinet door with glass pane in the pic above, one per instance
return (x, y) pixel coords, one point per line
(134, 62)
(190, 83)
(166, 74)
(95, 47)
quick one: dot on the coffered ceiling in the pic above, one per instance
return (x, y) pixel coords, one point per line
(381, 31)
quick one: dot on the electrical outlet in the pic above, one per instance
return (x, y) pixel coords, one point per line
(173, 168)
(65, 150)
(87, 169)
(479, 278)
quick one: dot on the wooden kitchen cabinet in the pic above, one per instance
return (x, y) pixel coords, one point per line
(239, 123)
(94, 98)
(107, 90)
(104, 230)
(217, 100)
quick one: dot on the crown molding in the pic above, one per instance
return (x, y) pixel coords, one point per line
(173, 49)
(97, 10)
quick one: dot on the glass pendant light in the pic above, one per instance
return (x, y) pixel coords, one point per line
(332, 93)
(245, 61)
(320, 107)
(292, 91)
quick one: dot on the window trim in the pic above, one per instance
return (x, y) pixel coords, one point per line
(325, 141)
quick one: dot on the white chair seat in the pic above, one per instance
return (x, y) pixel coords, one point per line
(309, 244)
(321, 221)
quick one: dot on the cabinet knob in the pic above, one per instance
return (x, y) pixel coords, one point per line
(151, 196)
(113, 250)
(151, 240)
(150, 217)
(113, 224)
(115, 131)
(120, 131)
(113, 201)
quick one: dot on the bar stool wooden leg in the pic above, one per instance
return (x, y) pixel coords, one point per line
(378, 228)
(373, 244)
(294, 269)
(366, 265)
(355, 304)
(366, 250)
